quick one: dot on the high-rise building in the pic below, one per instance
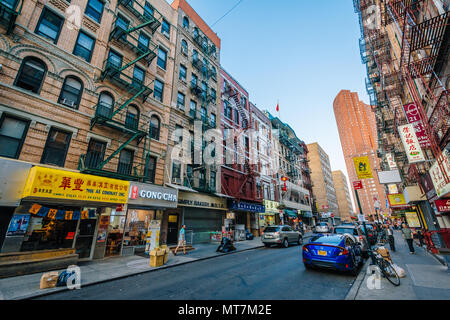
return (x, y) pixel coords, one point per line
(343, 195)
(358, 134)
(322, 179)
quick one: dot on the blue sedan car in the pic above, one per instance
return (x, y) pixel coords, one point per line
(333, 251)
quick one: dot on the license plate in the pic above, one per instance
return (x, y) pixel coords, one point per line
(267, 236)
(321, 253)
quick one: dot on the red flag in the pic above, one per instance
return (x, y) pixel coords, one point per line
(278, 107)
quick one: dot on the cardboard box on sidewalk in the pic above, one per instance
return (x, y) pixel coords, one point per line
(384, 253)
(49, 280)
(157, 258)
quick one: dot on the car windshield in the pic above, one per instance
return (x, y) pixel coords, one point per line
(333, 240)
(271, 229)
(344, 230)
(322, 224)
(369, 227)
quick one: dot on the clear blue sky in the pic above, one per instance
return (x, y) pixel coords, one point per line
(299, 52)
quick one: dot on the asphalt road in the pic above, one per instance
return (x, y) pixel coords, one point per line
(263, 274)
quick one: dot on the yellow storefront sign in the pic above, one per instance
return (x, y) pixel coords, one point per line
(271, 206)
(396, 200)
(362, 167)
(412, 219)
(60, 184)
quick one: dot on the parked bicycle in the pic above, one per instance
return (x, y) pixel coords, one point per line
(386, 267)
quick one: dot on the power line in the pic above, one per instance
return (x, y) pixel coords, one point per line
(227, 13)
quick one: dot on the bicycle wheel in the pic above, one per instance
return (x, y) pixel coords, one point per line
(389, 272)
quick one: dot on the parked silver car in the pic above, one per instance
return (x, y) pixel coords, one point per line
(357, 235)
(322, 227)
(281, 235)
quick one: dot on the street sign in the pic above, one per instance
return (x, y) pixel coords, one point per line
(357, 185)
(362, 167)
(361, 217)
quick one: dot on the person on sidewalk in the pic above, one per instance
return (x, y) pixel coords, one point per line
(390, 237)
(181, 240)
(407, 234)
(420, 236)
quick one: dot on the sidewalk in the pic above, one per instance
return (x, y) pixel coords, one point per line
(426, 278)
(97, 271)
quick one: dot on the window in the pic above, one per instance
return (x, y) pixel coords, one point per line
(165, 28)
(105, 104)
(194, 80)
(154, 127)
(162, 58)
(184, 47)
(204, 89)
(56, 147)
(180, 100)
(212, 180)
(122, 23)
(213, 120)
(125, 162)
(31, 74)
(194, 55)
(158, 90)
(94, 10)
(176, 171)
(203, 114)
(193, 108)
(214, 73)
(148, 10)
(227, 110)
(195, 32)
(71, 92)
(183, 72)
(115, 59)
(213, 95)
(236, 116)
(95, 153)
(49, 25)
(12, 135)
(132, 117)
(143, 42)
(138, 76)
(150, 171)
(186, 23)
(84, 46)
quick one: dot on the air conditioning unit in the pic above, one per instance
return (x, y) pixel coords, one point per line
(176, 180)
(69, 103)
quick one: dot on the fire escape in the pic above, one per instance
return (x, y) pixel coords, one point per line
(9, 13)
(207, 97)
(132, 127)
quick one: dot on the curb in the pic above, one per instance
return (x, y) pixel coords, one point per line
(63, 289)
(351, 295)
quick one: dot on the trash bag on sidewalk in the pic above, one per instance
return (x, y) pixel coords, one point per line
(400, 271)
(226, 245)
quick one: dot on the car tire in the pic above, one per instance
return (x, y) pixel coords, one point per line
(300, 241)
(285, 243)
(267, 245)
(308, 267)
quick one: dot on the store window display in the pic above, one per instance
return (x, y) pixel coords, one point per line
(137, 225)
(115, 231)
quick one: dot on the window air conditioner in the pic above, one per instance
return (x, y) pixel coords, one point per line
(69, 103)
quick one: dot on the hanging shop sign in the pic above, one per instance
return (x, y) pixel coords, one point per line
(362, 167)
(357, 185)
(412, 219)
(428, 185)
(443, 205)
(393, 189)
(245, 206)
(391, 162)
(13, 177)
(414, 118)
(271, 207)
(151, 195)
(411, 144)
(196, 200)
(60, 184)
(396, 200)
(56, 214)
(442, 188)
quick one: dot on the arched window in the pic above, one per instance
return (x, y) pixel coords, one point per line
(154, 127)
(195, 55)
(71, 92)
(195, 32)
(186, 23)
(31, 74)
(132, 117)
(184, 46)
(105, 104)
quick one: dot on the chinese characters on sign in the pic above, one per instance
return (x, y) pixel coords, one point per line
(391, 161)
(362, 167)
(411, 144)
(414, 118)
(54, 183)
(357, 185)
(442, 188)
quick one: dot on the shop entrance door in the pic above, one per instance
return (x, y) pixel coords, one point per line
(172, 229)
(85, 238)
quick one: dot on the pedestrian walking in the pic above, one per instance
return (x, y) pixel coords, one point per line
(407, 234)
(390, 237)
(181, 240)
(420, 236)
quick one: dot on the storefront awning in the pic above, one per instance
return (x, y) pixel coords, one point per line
(182, 188)
(291, 213)
(221, 195)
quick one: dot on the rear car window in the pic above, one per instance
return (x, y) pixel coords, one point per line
(322, 224)
(333, 240)
(271, 229)
(344, 230)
